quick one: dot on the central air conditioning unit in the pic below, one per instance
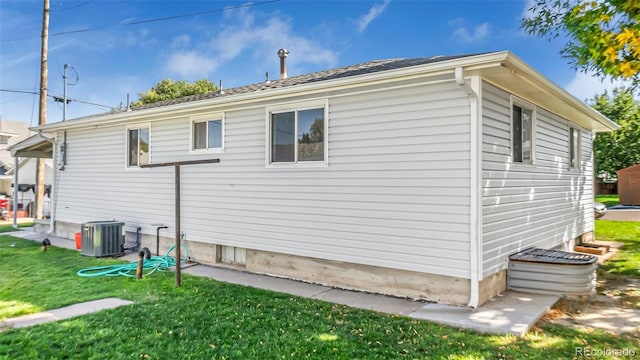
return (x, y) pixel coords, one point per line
(102, 238)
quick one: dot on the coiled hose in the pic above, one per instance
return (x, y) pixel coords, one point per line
(150, 265)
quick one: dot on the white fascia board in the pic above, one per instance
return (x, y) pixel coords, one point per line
(515, 63)
(476, 62)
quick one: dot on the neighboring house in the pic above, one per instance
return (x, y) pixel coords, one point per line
(27, 181)
(409, 177)
(11, 133)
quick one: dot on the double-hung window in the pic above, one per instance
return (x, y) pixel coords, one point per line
(298, 134)
(522, 132)
(207, 133)
(137, 146)
(574, 148)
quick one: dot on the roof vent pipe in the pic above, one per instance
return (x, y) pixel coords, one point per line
(283, 53)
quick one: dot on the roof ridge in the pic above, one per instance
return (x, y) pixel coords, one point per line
(371, 66)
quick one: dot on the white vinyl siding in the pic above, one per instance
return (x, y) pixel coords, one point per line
(541, 205)
(96, 186)
(395, 194)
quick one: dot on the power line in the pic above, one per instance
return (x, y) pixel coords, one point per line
(57, 98)
(148, 20)
(55, 8)
(20, 91)
(199, 13)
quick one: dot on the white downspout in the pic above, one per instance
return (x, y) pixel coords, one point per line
(15, 191)
(52, 212)
(475, 241)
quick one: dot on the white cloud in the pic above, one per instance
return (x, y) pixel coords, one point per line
(190, 64)
(586, 86)
(240, 35)
(375, 11)
(467, 35)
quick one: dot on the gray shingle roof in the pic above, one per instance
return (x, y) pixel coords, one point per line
(337, 73)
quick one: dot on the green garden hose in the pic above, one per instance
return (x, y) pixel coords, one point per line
(150, 265)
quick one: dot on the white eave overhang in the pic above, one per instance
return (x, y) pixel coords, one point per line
(35, 146)
(502, 68)
(522, 80)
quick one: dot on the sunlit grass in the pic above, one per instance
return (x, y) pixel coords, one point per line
(206, 319)
(627, 261)
(608, 200)
(14, 308)
(327, 337)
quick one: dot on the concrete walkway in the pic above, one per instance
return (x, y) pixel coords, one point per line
(62, 313)
(512, 313)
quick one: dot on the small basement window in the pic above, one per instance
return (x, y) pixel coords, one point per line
(232, 255)
(207, 134)
(298, 134)
(574, 148)
(137, 146)
(522, 132)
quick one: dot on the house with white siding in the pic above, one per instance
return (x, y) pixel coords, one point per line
(409, 177)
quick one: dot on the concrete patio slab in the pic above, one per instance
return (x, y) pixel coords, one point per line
(29, 234)
(266, 282)
(510, 313)
(367, 301)
(63, 313)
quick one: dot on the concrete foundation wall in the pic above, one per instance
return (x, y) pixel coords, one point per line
(492, 285)
(439, 288)
(402, 283)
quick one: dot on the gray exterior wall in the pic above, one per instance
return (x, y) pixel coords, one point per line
(545, 204)
(395, 194)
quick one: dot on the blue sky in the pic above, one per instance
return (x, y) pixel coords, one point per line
(237, 42)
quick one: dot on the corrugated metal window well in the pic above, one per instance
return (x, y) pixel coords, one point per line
(552, 272)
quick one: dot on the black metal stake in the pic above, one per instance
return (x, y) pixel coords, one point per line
(176, 165)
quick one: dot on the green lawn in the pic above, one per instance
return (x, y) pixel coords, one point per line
(206, 319)
(627, 262)
(10, 228)
(608, 200)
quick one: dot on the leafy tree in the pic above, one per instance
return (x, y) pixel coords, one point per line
(315, 134)
(169, 89)
(621, 148)
(603, 36)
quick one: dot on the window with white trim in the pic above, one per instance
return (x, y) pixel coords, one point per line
(574, 148)
(207, 134)
(522, 132)
(137, 146)
(298, 135)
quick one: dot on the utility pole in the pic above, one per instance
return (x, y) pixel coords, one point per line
(43, 107)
